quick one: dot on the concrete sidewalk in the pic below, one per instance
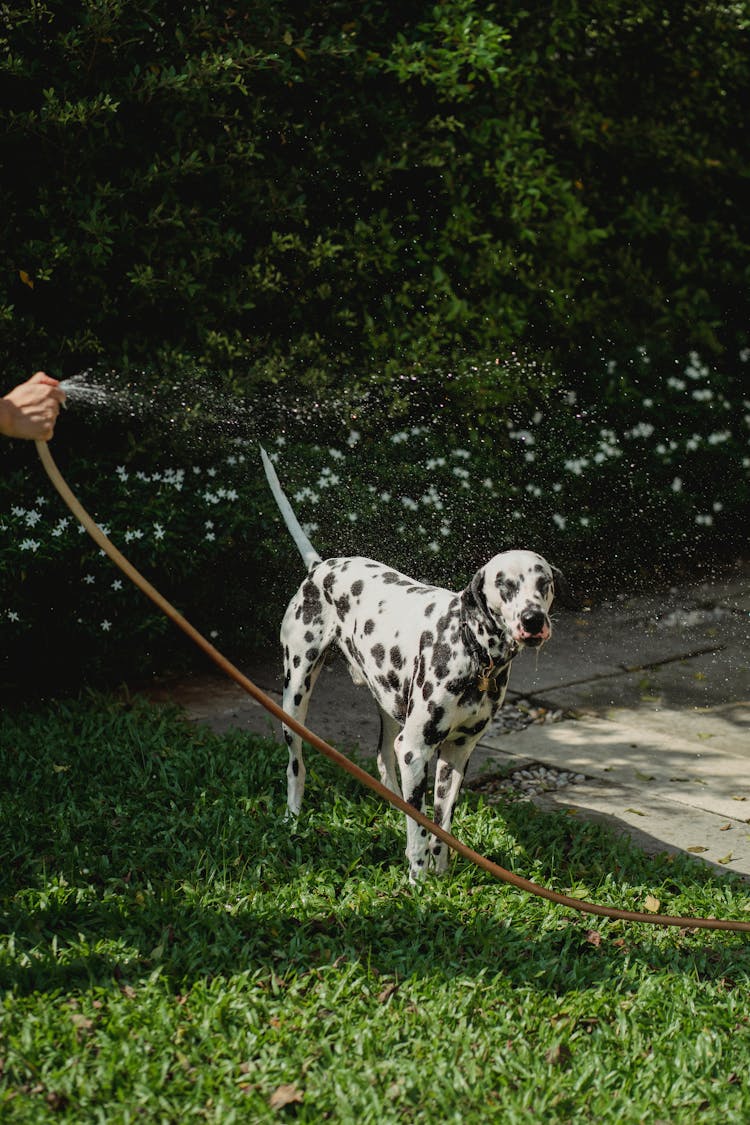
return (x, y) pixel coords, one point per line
(655, 702)
(660, 691)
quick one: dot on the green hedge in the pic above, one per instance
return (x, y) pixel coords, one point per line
(459, 221)
(620, 504)
(314, 190)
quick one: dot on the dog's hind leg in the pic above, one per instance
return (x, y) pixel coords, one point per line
(389, 728)
(298, 685)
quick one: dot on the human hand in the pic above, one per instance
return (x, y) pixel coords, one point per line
(30, 410)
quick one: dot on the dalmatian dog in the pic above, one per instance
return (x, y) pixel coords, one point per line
(436, 663)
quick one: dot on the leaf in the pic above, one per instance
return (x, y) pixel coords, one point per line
(725, 858)
(697, 848)
(59, 768)
(652, 904)
(26, 279)
(559, 1055)
(387, 992)
(637, 812)
(593, 937)
(285, 1095)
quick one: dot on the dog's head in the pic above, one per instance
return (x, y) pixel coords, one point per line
(515, 589)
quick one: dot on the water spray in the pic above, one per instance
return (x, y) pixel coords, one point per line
(335, 756)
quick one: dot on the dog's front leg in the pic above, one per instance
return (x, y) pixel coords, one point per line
(389, 728)
(449, 776)
(413, 762)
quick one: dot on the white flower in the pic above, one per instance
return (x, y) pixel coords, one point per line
(399, 439)
(210, 536)
(461, 453)
(89, 579)
(106, 625)
(309, 528)
(336, 454)
(677, 485)
(463, 474)
(353, 438)
(159, 532)
(32, 518)
(18, 511)
(131, 535)
(433, 546)
(117, 584)
(208, 524)
(13, 616)
(704, 520)
(435, 463)
(409, 504)
(352, 517)
(643, 429)
(232, 494)
(30, 545)
(559, 520)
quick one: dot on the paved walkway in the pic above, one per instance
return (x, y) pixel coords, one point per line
(656, 698)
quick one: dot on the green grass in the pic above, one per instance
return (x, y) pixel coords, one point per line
(170, 952)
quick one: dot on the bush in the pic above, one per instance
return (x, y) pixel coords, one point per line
(310, 192)
(433, 502)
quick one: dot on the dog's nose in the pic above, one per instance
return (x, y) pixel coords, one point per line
(533, 622)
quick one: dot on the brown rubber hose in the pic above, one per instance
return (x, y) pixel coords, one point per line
(339, 759)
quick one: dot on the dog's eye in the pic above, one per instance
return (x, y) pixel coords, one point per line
(506, 588)
(544, 586)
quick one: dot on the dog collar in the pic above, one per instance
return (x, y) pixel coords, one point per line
(487, 671)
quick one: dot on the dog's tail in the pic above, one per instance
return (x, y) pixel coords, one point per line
(310, 556)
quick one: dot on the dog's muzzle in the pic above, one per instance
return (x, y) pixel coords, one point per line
(533, 628)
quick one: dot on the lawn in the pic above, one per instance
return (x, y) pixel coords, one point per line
(170, 951)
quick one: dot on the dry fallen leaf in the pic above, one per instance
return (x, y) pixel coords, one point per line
(637, 812)
(285, 1095)
(697, 848)
(651, 904)
(559, 1055)
(593, 937)
(725, 858)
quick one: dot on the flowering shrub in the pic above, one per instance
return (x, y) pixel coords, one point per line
(623, 495)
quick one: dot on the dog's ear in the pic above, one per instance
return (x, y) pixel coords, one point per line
(562, 589)
(473, 595)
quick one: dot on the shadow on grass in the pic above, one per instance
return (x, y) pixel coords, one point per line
(133, 843)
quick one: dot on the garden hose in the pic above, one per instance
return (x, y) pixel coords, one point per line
(339, 759)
